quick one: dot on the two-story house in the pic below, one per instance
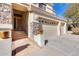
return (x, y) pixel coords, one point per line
(37, 20)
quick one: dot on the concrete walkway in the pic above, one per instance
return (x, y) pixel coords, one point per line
(22, 45)
(66, 45)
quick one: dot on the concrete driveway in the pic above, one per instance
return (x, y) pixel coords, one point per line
(65, 45)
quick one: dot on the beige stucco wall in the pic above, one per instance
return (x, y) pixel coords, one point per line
(50, 9)
(25, 22)
(5, 47)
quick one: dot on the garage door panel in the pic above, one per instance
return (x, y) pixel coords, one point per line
(62, 30)
(49, 31)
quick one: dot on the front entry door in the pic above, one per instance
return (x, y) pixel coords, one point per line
(18, 22)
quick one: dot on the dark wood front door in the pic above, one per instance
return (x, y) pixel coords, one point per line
(18, 24)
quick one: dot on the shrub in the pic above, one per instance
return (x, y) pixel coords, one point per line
(75, 30)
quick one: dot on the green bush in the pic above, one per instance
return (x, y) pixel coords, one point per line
(75, 30)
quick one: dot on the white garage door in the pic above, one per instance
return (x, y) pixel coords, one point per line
(62, 30)
(49, 31)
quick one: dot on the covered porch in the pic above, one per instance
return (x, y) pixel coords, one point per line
(20, 18)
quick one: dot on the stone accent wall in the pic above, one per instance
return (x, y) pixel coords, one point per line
(5, 13)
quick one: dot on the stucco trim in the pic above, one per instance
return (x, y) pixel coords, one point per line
(6, 26)
(45, 13)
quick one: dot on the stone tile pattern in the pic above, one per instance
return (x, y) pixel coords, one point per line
(5, 13)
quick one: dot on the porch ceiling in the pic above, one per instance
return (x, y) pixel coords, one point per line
(19, 7)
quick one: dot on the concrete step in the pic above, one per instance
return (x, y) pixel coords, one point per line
(22, 45)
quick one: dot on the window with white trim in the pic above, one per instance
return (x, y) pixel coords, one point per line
(42, 6)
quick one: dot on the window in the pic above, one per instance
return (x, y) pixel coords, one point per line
(42, 5)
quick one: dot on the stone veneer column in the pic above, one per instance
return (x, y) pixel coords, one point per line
(5, 13)
(37, 38)
(6, 26)
(59, 28)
